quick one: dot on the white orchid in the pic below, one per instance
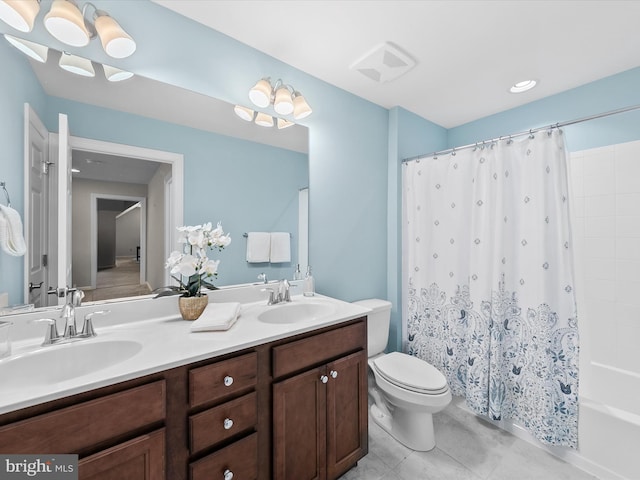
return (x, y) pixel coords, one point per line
(193, 261)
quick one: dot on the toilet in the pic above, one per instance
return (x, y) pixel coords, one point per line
(404, 391)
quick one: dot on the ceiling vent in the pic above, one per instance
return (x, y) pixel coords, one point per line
(384, 63)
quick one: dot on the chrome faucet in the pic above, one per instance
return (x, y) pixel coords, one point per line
(280, 294)
(52, 336)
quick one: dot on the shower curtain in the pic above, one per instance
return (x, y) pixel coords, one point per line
(488, 280)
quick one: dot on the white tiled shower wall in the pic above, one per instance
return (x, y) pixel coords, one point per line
(605, 184)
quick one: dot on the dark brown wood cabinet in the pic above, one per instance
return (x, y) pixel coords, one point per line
(320, 415)
(141, 458)
(292, 409)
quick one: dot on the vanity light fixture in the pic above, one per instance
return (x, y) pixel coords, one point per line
(522, 86)
(75, 64)
(19, 14)
(283, 123)
(32, 49)
(70, 25)
(284, 98)
(264, 119)
(68, 62)
(244, 113)
(261, 118)
(114, 74)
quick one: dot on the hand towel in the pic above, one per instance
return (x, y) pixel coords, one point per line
(217, 316)
(280, 247)
(258, 247)
(11, 236)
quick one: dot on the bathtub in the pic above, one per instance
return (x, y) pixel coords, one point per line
(608, 425)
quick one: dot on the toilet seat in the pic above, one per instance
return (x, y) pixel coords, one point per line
(411, 373)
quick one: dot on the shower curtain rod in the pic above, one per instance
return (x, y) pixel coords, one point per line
(483, 143)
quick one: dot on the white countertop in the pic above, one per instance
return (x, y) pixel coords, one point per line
(166, 342)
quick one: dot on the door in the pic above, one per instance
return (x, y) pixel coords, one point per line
(64, 205)
(299, 427)
(347, 426)
(142, 458)
(36, 221)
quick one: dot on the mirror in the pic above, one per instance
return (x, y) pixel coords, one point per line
(245, 176)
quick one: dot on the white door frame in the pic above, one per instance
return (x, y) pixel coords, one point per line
(175, 186)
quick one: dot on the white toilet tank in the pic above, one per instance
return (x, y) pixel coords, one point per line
(377, 324)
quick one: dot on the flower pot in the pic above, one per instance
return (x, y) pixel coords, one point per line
(192, 307)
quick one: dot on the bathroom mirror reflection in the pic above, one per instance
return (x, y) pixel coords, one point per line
(245, 176)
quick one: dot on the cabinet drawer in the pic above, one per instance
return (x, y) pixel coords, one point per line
(143, 458)
(219, 423)
(72, 429)
(240, 458)
(216, 381)
(301, 354)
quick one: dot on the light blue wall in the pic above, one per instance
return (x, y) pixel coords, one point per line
(13, 94)
(611, 93)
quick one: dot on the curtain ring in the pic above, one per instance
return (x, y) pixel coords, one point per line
(453, 152)
(531, 136)
(510, 141)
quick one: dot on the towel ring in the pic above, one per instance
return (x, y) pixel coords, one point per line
(2, 184)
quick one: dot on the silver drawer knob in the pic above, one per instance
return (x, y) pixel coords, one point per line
(228, 423)
(228, 475)
(228, 381)
(324, 378)
(333, 374)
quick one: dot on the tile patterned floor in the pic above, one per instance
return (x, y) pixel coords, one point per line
(468, 448)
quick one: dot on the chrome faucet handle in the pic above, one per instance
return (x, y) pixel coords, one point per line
(263, 277)
(76, 297)
(51, 335)
(69, 314)
(285, 295)
(273, 298)
(87, 327)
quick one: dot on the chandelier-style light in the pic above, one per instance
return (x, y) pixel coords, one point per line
(284, 99)
(69, 24)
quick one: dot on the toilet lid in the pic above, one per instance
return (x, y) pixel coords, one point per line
(410, 372)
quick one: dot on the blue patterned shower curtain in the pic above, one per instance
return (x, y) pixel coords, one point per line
(488, 280)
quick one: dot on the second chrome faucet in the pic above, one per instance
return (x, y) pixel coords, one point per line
(280, 294)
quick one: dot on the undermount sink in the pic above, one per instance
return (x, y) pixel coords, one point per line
(295, 312)
(58, 363)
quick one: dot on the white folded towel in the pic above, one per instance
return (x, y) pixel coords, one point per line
(11, 236)
(280, 247)
(217, 316)
(258, 247)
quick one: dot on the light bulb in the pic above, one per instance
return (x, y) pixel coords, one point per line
(283, 103)
(260, 94)
(115, 41)
(66, 23)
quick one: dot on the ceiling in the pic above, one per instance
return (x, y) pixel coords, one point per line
(467, 52)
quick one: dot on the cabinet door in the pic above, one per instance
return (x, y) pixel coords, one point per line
(139, 459)
(347, 421)
(299, 427)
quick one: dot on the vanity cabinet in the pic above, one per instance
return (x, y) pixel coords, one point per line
(100, 431)
(290, 409)
(320, 413)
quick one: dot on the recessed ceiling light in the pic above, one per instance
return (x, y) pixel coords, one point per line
(523, 86)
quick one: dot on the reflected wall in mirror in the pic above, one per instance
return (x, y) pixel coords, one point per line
(242, 175)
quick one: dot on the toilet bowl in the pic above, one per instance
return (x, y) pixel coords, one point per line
(404, 390)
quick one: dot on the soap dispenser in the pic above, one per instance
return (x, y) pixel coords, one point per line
(297, 275)
(309, 287)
